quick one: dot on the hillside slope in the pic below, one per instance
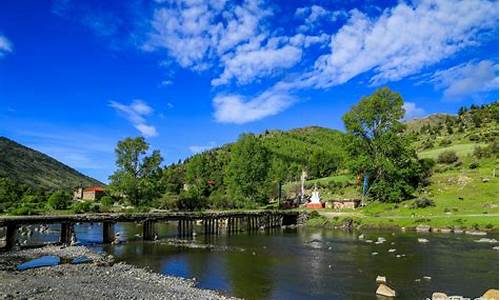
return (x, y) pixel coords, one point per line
(26, 165)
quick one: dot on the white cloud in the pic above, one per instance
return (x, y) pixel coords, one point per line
(314, 14)
(194, 33)
(238, 109)
(403, 40)
(467, 79)
(136, 113)
(400, 42)
(412, 111)
(5, 46)
(201, 148)
(166, 82)
(249, 63)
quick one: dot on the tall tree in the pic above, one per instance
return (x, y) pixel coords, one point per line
(380, 150)
(247, 172)
(138, 175)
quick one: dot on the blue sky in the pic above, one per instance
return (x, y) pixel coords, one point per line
(77, 76)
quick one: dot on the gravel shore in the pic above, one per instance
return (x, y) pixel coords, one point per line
(101, 279)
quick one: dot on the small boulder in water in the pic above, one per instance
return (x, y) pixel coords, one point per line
(381, 279)
(421, 240)
(385, 290)
(439, 296)
(490, 294)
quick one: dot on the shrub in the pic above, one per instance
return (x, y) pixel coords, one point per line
(167, 201)
(444, 142)
(473, 165)
(422, 203)
(447, 157)
(59, 200)
(23, 211)
(84, 207)
(106, 201)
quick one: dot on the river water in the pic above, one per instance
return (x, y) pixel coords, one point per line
(309, 263)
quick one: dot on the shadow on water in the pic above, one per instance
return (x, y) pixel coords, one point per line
(309, 263)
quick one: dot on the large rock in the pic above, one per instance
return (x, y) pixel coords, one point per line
(384, 290)
(423, 228)
(439, 296)
(490, 294)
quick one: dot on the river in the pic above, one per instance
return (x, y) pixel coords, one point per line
(307, 263)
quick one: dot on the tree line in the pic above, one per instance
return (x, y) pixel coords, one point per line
(246, 174)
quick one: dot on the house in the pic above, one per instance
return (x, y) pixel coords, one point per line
(89, 194)
(344, 203)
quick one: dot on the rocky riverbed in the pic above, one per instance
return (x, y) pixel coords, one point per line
(99, 279)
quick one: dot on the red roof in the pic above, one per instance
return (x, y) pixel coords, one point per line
(94, 189)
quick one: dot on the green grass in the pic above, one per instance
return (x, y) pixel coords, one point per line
(463, 197)
(462, 150)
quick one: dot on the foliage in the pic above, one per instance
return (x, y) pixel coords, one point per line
(380, 150)
(447, 157)
(138, 175)
(59, 200)
(85, 207)
(247, 172)
(422, 203)
(106, 200)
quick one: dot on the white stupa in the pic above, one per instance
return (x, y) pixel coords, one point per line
(315, 197)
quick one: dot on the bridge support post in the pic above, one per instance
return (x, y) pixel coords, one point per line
(149, 231)
(11, 236)
(67, 230)
(108, 232)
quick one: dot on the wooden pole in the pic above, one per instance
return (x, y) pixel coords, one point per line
(11, 236)
(108, 232)
(67, 230)
(149, 231)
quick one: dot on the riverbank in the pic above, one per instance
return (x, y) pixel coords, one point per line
(444, 223)
(99, 279)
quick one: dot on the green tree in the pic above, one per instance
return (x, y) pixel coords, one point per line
(59, 200)
(138, 176)
(247, 172)
(380, 150)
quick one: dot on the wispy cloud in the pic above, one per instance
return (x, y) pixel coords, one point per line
(5, 46)
(237, 109)
(412, 111)
(136, 113)
(467, 79)
(433, 31)
(201, 148)
(312, 15)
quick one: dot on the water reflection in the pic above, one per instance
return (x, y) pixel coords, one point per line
(309, 264)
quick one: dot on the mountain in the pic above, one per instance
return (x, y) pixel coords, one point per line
(32, 167)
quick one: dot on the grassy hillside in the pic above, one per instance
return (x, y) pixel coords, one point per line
(26, 165)
(464, 193)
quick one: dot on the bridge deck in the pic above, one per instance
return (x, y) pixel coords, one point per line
(135, 217)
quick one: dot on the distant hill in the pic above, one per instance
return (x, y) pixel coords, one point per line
(26, 165)
(318, 150)
(472, 125)
(431, 120)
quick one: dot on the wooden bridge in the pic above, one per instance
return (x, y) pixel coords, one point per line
(211, 222)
